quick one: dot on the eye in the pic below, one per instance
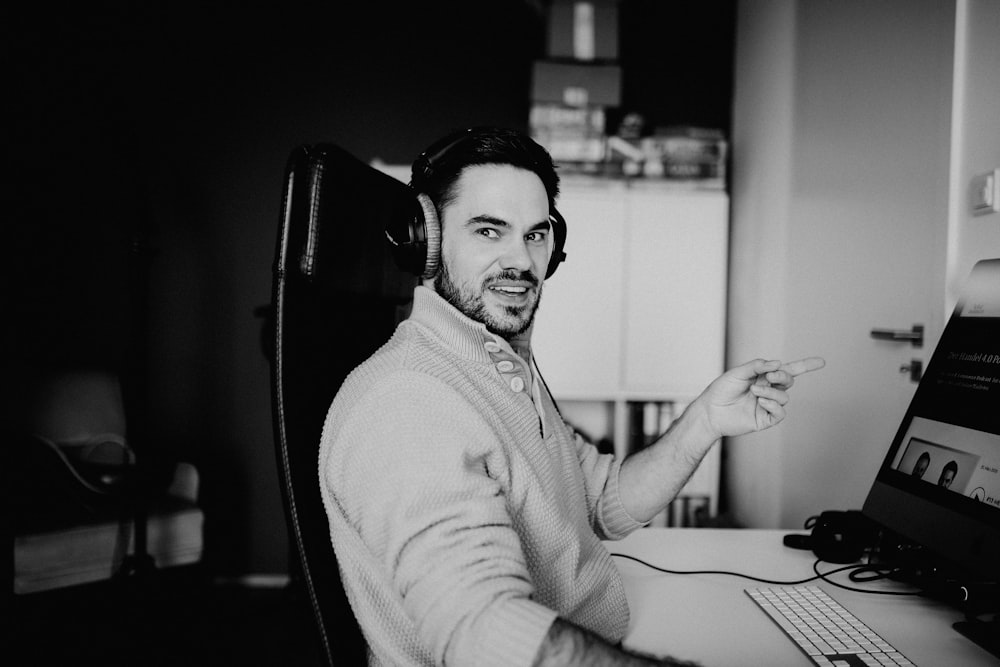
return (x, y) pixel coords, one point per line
(535, 237)
(488, 232)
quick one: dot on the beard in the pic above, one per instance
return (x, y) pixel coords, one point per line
(506, 321)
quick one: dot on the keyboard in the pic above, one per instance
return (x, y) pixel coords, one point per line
(823, 629)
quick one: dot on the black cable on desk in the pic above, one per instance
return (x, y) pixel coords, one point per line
(819, 575)
(732, 574)
(877, 573)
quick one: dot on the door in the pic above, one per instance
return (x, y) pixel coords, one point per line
(840, 222)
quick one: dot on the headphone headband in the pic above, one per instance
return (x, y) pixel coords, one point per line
(423, 166)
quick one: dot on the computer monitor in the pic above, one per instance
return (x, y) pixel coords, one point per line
(939, 485)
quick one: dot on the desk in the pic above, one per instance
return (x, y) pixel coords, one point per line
(709, 619)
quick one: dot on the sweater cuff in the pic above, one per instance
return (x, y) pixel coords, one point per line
(616, 522)
(521, 628)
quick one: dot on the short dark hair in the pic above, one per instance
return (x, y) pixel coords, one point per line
(952, 466)
(437, 170)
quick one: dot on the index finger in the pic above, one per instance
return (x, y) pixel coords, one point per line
(801, 366)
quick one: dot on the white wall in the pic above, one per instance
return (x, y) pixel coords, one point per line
(762, 129)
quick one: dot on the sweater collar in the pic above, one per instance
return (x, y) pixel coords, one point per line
(462, 334)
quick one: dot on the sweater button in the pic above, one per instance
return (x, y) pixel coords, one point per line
(517, 384)
(491, 346)
(505, 366)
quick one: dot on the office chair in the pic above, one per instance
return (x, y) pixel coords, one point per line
(337, 297)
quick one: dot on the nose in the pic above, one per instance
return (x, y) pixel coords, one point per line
(516, 256)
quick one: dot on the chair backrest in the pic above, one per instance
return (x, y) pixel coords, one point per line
(337, 297)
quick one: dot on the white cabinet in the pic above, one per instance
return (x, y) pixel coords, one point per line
(674, 292)
(578, 331)
(636, 313)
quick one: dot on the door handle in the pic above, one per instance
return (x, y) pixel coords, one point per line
(915, 335)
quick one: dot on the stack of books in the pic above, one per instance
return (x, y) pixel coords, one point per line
(577, 82)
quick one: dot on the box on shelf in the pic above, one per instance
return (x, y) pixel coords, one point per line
(680, 153)
(569, 134)
(576, 85)
(583, 30)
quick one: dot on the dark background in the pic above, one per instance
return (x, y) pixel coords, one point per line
(169, 126)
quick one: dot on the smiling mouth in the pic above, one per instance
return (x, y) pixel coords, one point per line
(509, 290)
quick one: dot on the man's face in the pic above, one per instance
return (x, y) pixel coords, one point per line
(947, 477)
(495, 247)
(920, 468)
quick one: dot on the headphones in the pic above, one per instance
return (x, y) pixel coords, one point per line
(837, 537)
(415, 238)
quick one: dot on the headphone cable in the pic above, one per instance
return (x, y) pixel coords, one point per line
(819, 575)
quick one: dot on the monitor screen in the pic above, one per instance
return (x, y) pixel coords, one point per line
(939, 484)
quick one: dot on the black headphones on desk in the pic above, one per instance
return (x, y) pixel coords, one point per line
(416, 239)
(837, 537)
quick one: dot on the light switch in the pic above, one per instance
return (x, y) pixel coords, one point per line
(985, 192)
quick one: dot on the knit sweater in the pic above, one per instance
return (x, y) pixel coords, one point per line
(463, 523)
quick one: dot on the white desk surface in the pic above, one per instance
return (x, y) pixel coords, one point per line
(710, 620)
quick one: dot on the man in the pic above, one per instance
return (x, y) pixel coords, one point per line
(947, 475)
(466, 515)
(920, 467)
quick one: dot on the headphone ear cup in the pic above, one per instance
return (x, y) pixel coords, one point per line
(559, 242)
(432, 232)
(840, 537)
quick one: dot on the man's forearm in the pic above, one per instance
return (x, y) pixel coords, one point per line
(568, 645)
(651, 478)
